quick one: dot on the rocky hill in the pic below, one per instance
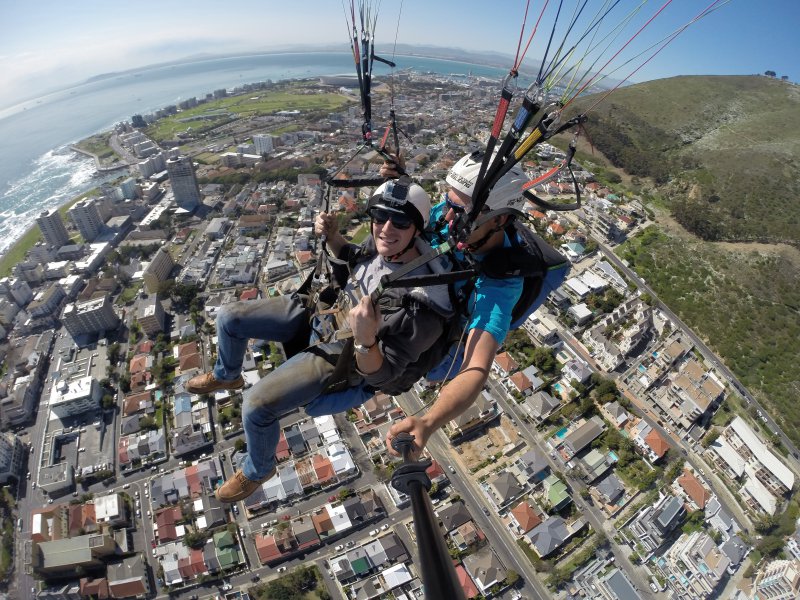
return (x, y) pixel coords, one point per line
(723, 150)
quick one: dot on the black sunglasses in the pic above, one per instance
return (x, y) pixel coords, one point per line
(399, 221)
(456, 208)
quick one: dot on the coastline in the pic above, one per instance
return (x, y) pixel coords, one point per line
(17, 250)
(97, 164)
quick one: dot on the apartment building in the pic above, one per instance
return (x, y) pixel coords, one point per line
(86, 217)
(158, 270)
(653, 524)
(741, 455)
(12, 457)
(75, 397)
(151, 316)
(52, 227)
(91, 316)
(694, 566)
(185, 189)
(779, 580)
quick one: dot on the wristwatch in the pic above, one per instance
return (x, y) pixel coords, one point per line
(362, 349)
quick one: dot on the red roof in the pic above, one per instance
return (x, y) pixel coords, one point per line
(193, 481)
(138, 363)
(435, 470)
(128, 588)
(323, 468)
(145, 347)
(81, 516)
(250, 294)
(140, 380)
(191, 361)
(526, 516)
(185, 568)
(505, 362)
(657, 444)
(267, 548)
(556, 229)
(96, 587)
(694, 489)
(521, 382)
(282, 449)
(322, 522)
(469, 587)
(135, 402)
(187, 349)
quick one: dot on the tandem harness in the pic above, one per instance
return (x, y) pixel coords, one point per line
(324, 299)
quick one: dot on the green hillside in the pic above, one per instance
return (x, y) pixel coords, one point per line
(723, 150)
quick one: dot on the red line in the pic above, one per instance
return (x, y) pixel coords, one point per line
(502, 108)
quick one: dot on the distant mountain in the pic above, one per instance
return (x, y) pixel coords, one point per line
(725, 151)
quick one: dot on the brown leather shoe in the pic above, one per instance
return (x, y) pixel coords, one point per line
(207, 383)
(239, 487)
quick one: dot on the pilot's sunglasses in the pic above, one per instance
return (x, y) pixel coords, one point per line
(399, 221)
(457, 208)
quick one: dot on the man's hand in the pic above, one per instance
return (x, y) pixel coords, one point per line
(364, 318)
(389, 167)
(326, 224)
(415, 426)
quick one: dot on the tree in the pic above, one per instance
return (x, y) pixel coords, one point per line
(108, 401)
(710, 438)
(194, 539)
(544, 359)
(240, 445)
(113, 353)
(770, 73)
(512, 577)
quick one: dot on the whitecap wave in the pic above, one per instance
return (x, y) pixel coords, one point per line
(55, 178)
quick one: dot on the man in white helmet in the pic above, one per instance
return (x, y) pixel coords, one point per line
(491, 301)
(374, 343)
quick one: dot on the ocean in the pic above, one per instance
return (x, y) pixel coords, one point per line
(38, 171)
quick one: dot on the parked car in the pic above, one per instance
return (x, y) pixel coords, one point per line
(339, 547)
(384, 527)
(452, 469)
(281, 569)
(374, 532)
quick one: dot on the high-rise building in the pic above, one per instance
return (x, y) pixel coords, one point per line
(92, 316)
(52, 228)
(158, 270)
(779, 580)
(87, 219)
(263, 144)
(151, 316)
(184, 183)
(128, 188)
(73, 397)
(12, 455)
(16, 290)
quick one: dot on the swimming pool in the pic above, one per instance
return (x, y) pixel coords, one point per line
(561, 433)
(613, 455)
(557, 388)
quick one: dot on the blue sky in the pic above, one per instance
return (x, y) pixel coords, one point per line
(49, 44)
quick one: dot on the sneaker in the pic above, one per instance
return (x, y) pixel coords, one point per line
(207, 383)
(240, 487)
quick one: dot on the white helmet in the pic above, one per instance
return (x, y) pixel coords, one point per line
(505, 197)
(405, 197)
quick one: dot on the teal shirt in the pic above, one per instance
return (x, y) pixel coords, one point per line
(492, 300)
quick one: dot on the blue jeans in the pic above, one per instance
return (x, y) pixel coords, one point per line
(297, 382)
